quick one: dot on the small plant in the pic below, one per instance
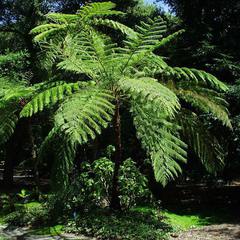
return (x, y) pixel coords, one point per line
(133, 185)
(33, 214)
(131, 225)
(7, 202)
(24, 195)
(4, 201)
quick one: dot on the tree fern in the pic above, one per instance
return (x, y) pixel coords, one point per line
(131, 74)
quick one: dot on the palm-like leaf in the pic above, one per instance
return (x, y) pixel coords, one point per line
(98, 9)
(8, 120)
(149, 90)
(49, 97)
(194, 76)
(63, 23)
(207, 101)
(203, 143)
(84, 115)
(159, 138)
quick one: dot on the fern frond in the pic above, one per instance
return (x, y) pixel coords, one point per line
(204, 144)
(63, 164)
(169, 38)
(81, 53)
(149, 64)
(149, 90)
(92, 54)
(79, 119)
(8, 121)
(8, 86)
(45, 27)
(98, 9)
(149, 35)
(49, 97)
(84, 114)
(13, 92)
(160, 139)
(13, 57)
(194, 76)
(206, 103)
(62, 18)
(62, 153)
(76, 65)
(45, 31)
(116, 26)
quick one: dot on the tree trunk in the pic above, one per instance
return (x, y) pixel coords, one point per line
(33, 156)
(13, 154)
(115, 200)
(9, 164)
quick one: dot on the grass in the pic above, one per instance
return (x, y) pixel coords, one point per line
(49, 230)
(29, 205)
(186, 218)
(185, 222)
(177, 221)
(52, 231)
(139, 223)
(18, 206)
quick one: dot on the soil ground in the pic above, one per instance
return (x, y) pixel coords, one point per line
(212, 232)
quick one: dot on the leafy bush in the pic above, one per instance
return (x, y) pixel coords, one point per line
(132, 225)
(33, 214)
(92, 187)
(133, 185)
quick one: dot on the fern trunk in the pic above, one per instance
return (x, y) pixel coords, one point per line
(9, 164)
(13, 155)
(33, 156)
(115, 200)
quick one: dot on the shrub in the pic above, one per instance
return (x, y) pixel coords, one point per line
(92, 187)
(33, 214)
(131, 225)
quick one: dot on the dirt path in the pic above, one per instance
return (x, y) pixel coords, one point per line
(213, 232)
(24, 234)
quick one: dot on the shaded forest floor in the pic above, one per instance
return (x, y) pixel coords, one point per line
(193, 212)
(212, 232)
